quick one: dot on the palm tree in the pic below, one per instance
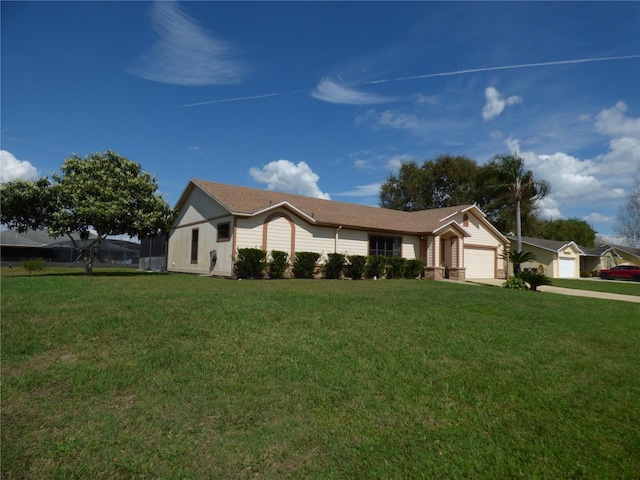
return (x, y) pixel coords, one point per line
(509, 175)
(517, 259)
(535, 279)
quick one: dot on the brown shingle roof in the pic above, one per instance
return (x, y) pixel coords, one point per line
(249, 201)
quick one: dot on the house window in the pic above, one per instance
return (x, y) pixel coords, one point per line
(465, 220)
(387, 246)
(194, 245)
(223, 232)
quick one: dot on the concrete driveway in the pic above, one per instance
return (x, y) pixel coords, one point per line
(566, 291)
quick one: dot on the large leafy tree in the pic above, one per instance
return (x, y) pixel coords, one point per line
(457, 180)
(96, 196)
(570, 229)
(628, 224)
(443, 182)
(507, 175)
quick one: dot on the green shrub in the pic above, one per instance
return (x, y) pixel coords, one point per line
(334, 265)
(278, 264)
(534, 279)
(396, 267)
(250, 263)
(304, 266)
(356, 267)
(35, 265)
(414, 268)
(514, 283)
(376, 266)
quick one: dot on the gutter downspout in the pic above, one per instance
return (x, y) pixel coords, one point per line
(335, 241)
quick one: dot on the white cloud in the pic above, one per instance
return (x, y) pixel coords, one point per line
(422, 99)
(572, 180)
(569, 177)
(185, 53)
(549, 208)
(495, 104)
(614, 123)
(623, 156)
(389, 118)
(362, 164)
(13, 169)
(394, 163)
(596, 183)
(285, 176)
(332, 92)
(596, 217)
(400, 121)
(513, 145)
(370, 190)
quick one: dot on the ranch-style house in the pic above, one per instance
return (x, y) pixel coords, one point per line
(217, 219)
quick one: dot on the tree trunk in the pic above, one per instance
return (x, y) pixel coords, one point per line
(516, 269)
(88, 265)
(518, 226)
(88, 262)
(89, 255)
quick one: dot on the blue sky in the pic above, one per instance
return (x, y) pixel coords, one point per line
(326, 99)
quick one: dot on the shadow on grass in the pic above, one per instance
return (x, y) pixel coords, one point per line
(78, 272)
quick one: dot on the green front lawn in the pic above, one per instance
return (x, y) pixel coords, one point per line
(126, 375)
(626, 287)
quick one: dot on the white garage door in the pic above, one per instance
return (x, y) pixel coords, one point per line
(567, 268)
(480, 262)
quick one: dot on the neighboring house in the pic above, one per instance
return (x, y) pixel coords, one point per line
(594, 259)
(216, 220)
(627, 255)
(556, 259)
(16, 246)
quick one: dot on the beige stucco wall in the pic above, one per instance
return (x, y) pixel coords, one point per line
(545, 258)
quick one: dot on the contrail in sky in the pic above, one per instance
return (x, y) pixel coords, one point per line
(432, 75)
(505, 67)
(237, 99)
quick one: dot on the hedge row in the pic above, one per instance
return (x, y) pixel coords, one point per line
(255, 263)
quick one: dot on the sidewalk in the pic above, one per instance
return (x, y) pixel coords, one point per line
(564, 291)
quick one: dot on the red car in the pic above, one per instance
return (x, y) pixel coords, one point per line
(628, 272)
